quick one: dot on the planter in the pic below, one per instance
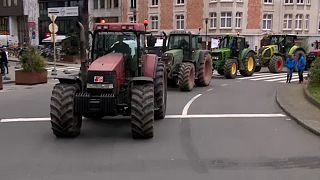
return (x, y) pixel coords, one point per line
(30, 78)
(1, 84)
(71, 58)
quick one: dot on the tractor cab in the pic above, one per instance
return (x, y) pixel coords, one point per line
(184, 42)
(234, 43)
(283, 42)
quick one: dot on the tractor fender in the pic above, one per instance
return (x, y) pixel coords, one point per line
(149, 65)
(142, 80)
(70, 80)
(243, 55)
(295, 48)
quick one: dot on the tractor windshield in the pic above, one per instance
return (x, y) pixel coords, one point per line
(178, 42)
(115, 42)
(228, 42)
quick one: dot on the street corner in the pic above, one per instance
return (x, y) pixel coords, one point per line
(293, 100)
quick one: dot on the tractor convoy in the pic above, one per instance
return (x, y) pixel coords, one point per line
(127, 74)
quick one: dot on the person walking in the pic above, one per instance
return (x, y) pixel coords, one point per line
(291, 64)
(4, 60)
(301, 67)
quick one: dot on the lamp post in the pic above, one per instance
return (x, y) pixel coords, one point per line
(206, 21)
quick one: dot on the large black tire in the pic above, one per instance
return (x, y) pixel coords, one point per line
(142, 111)
(205, 71)
(249, 64)
(160, 92)
(64, 121)
(276, 64)
(257, 69)
(228, 72)
(186, 76)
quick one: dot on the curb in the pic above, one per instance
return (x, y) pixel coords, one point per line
(302, 123)
(310, 98)
(12, 81)
(49, 63)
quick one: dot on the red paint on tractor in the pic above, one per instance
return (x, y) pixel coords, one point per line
(317, 52)
(110, 62)
(149, 65)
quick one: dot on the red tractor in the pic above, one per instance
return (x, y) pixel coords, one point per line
(121, 79)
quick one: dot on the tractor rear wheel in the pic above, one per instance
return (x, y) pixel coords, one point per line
(276, 64)
(231, 68)
(249, 64)
(142, 111)
(257, 69)
(65, 122)
(186, 76)
(205, 71)
(160, 92)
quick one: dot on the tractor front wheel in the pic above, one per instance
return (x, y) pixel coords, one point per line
(231, 68)
(276, 64)
(160, 92)
(142, 111)
(186, 77)
(65, 122)
(249, 64)
(205, 71)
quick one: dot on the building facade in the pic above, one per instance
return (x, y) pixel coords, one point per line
(66, 24)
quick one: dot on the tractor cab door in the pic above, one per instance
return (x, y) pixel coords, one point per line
(240, 46)
(289, 42)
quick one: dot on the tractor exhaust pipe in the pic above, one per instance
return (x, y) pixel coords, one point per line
(84, 62)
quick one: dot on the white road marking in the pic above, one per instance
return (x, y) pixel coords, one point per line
(272, 77)
(186, 107)
(257, 76)
(224, 85)
(209, 89)
(24, 120)
(167, 117)
(225, 116)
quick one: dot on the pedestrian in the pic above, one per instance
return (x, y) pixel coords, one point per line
(291, 64)
(4, 60)
(301, 66)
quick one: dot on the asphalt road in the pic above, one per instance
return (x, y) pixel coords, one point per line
(220, 148)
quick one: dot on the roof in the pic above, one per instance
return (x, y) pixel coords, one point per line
(180, 32)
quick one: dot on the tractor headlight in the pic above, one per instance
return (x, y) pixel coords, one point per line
(215, 57)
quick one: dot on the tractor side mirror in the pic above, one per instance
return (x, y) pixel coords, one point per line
(247, 45)
(199, 40)
(312, 44)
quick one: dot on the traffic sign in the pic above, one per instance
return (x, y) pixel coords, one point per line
(53, 17)
(53, 28)
(64, 11)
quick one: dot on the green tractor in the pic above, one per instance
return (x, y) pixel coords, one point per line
(187, 64)
(232, 55)
(274, 49)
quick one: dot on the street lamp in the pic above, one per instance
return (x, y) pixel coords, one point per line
(206, 21)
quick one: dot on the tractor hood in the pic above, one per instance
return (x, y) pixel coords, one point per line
(221, 50)
(175, 52)
(109, 62)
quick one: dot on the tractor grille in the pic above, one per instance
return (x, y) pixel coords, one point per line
(109, 77)
(85, 103)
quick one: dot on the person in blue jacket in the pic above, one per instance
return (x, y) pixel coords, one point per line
(301, 67)
(291, 64)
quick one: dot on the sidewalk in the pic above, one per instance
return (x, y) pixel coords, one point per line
(292, 100)
(13, 67)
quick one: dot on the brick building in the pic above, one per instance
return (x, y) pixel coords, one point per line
(251, 18)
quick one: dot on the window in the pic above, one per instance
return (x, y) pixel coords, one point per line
(238, 20)
(213, 20)
(307, 20)
(15, 2)
(239, 0)
(308, 2)
(154, 22)
(268, 1)
(226, 18)
(132, 19)
(267, 22)
(4, 25)
(300, 1)
(4, 3)
(287, 21)
(116, 3)
(298, 21)
(109, 2)
(288, 1)
(95, 4)
(102, 4)
(133, 4)
(180, 22)
(180, 2)
(213, 0)
(154, 2)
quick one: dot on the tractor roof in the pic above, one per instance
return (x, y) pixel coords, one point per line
(291, 35)
(119, 27)
(233, 36)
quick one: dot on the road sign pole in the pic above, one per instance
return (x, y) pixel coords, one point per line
(53, 32)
